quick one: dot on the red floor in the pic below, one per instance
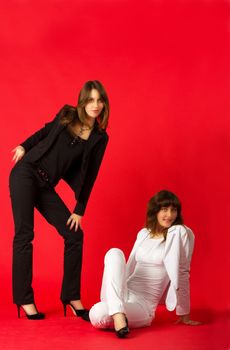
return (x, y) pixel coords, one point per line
(57, 332)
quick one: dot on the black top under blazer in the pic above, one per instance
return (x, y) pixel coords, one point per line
(80, 177)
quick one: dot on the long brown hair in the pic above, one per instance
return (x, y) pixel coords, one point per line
(161, 199)
(70, 114)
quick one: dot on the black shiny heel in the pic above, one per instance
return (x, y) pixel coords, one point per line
(37, 316)
(123, 332)
(83, 313)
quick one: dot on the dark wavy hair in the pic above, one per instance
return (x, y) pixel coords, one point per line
(70, 114)
(162, 199)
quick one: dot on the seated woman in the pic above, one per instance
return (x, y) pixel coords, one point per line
(158, 267)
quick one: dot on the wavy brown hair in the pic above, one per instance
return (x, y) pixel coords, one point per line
(162, 199)
(70, 114)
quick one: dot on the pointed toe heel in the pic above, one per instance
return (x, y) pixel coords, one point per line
(35, 317)
(123, 332)
(83, 313)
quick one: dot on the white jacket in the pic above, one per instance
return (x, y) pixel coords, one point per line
(178, 253)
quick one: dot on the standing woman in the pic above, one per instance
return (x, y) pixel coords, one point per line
(70, 147)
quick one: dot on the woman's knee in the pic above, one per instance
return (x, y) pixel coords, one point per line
(23, 238)
(72, 237)
(115, 254)
(99, 316)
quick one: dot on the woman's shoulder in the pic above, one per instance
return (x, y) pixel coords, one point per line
(66, 109)
(143, 233)
(180, 229)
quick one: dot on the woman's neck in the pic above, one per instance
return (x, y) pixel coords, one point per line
(90, 122)
(159, 232)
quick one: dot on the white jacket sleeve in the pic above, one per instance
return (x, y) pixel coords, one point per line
(183, 293)
(178, 253)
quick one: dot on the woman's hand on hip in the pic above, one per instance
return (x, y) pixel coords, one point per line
(74, 221)
(19, 152)
(185, 319)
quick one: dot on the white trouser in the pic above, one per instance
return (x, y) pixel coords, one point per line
(116, 298)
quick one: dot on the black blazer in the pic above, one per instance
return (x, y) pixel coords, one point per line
(80, 177)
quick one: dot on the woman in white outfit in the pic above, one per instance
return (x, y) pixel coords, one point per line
(158, 268)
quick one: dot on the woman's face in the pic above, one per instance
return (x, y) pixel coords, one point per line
(166, 216)
(95, 105)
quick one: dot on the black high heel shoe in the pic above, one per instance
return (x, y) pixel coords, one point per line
(83, 313)
(123, 332)
(37, 316)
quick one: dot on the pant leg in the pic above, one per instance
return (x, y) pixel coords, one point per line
(23, 191)
(56, 213)
(136, 314)
(114, 288)
(114, 295)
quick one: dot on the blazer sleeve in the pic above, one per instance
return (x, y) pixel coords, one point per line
(95, 160)
(34, 139)
(183, 292)
(178, 254)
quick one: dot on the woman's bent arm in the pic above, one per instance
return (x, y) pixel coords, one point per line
(91, 175)
(38, 135)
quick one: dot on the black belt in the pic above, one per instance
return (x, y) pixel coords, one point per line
(43, 174)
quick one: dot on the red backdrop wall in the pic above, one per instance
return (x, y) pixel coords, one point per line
(165, 65)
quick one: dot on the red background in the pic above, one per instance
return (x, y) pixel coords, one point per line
(165, 65)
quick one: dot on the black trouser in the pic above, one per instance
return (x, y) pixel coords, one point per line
(28, 191)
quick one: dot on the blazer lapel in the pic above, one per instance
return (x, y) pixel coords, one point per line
(93, 138)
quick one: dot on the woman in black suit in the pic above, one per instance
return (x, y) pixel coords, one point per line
(70, 147)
